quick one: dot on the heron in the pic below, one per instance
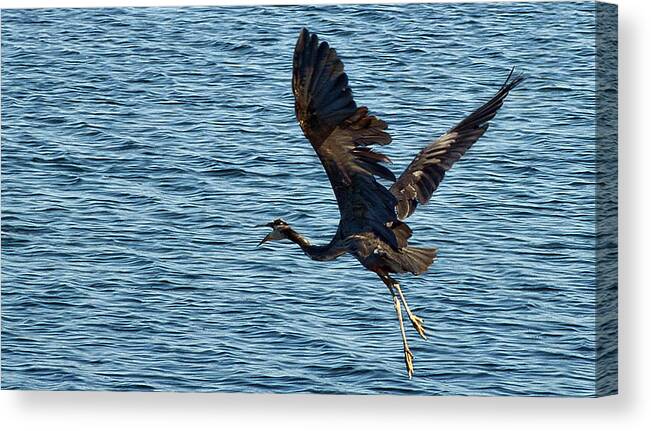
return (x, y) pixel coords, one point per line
(343, 135)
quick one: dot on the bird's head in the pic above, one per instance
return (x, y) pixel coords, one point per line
(279, 231)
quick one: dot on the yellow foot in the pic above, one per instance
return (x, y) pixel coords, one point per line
(417, 322)
(409, 362)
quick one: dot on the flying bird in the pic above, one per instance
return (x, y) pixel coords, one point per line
(343, 134)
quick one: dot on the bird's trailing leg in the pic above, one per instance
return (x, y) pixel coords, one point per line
(409, 357)
(397, 295)
(394, 287)
(416, 321)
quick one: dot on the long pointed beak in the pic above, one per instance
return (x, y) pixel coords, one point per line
(265, 239)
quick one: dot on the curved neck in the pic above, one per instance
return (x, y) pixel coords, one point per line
(297, 238)
(316, 252)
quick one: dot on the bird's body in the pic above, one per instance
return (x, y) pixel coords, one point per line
(371, 227)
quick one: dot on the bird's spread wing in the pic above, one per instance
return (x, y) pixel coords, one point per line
(424, 174)
(341, 134)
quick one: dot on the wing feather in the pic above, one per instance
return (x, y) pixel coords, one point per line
(341, 133)
(424, 174)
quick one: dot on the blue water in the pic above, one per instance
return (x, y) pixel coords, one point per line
(141, 146)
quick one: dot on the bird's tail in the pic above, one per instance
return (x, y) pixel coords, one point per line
(416, 260)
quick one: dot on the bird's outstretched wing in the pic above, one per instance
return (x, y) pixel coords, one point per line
(341, 134)
(424, 174)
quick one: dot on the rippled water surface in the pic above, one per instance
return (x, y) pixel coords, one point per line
(141, 146)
